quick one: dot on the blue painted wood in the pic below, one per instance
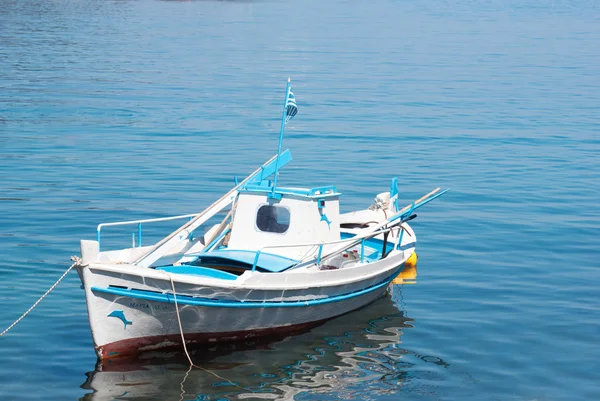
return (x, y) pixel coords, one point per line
(270, 168)
(362, 250)
(139, 234)
(305, 192)
(198, 271)
(394, 194)
(319, 254)
(283, 115)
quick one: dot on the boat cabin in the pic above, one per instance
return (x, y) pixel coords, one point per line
(274, 229)
(289, 216)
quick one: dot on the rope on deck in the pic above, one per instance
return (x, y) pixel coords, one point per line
(76, 262)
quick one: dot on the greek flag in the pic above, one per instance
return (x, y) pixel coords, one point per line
(290, 106)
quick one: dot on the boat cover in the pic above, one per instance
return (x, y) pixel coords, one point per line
(267, 261)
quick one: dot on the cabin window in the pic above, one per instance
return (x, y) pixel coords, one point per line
(273, 219)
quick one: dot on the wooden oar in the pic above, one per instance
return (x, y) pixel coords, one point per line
(407, 207)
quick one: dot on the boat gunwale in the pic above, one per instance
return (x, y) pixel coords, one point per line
(394, 259)
(184, 299)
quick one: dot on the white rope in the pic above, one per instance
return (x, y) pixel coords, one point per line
(77, 261)
(379, 204)
(179, 321)
(185, 347)
(182, 392)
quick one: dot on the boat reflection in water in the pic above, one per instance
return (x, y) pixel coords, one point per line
(356, 353)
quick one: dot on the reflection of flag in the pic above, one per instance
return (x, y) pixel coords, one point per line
(290, 106)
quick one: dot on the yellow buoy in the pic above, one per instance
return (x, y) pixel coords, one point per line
(412, 261)
(408, 275)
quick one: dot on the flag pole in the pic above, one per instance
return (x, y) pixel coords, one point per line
(283, 116)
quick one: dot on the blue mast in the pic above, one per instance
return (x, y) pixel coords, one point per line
(273, 195)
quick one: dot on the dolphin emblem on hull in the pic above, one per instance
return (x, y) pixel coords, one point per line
(121, 315)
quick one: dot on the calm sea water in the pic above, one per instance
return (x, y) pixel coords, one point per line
(117, 110)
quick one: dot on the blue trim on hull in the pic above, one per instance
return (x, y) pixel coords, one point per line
(188, 300)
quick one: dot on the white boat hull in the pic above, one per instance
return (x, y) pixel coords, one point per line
(157, 325)
(132, 310)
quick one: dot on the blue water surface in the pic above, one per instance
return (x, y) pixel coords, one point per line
(118, 110)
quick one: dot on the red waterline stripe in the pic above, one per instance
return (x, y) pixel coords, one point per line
(134, 346)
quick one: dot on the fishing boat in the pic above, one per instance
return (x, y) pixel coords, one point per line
(283, 259)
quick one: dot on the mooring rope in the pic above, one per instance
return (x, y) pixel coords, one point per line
(179, 321)
(186, 350)
(182, 392)
(77, 261)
